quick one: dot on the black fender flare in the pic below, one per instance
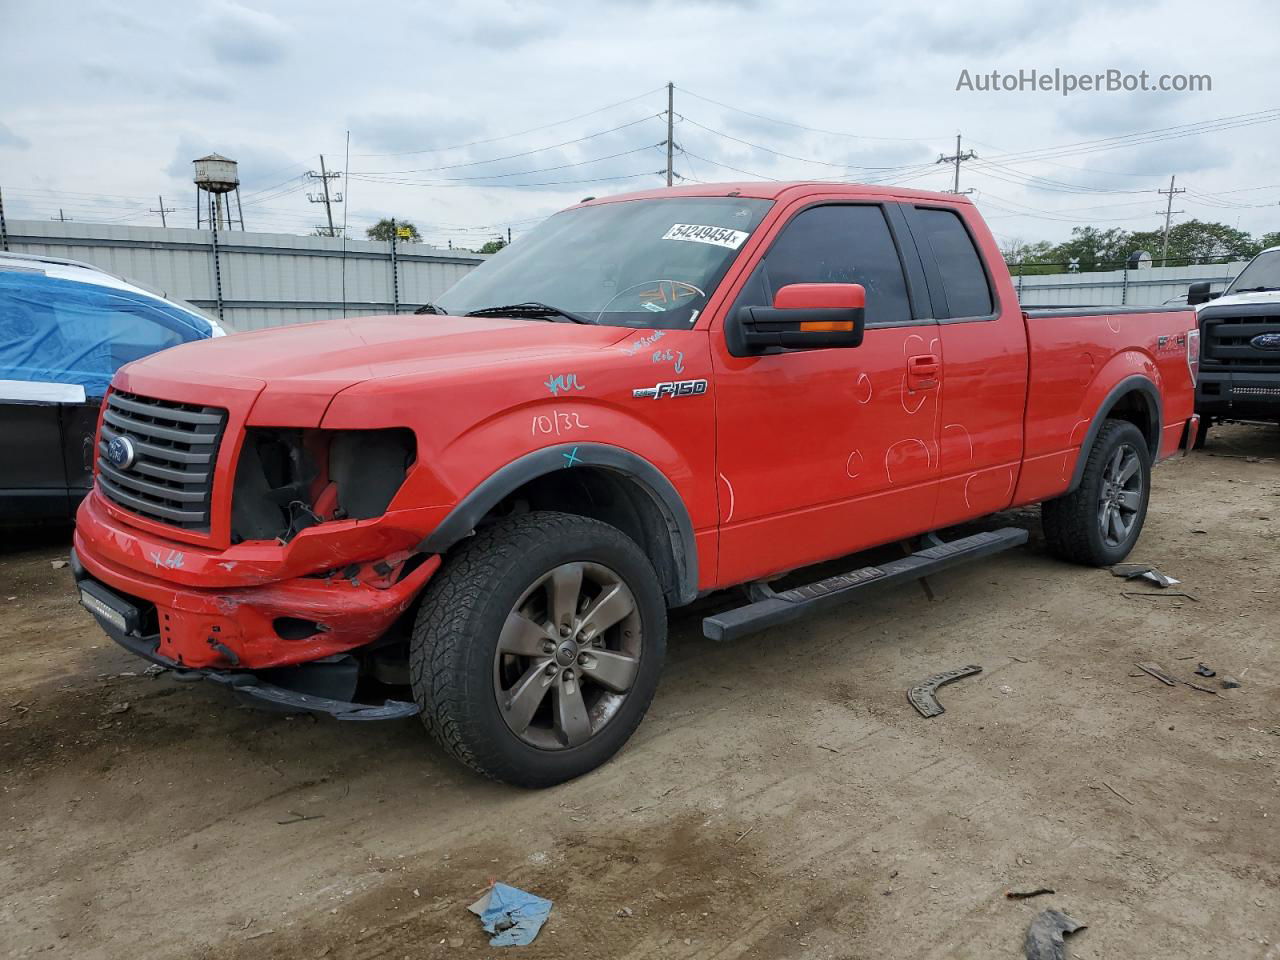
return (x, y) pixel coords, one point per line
(1128, 385)
(463, 518)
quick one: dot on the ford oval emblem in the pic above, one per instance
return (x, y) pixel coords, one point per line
(1266, 341)
(121, 453)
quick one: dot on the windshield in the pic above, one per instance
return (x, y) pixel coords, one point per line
(1263, 272)
(635, 263)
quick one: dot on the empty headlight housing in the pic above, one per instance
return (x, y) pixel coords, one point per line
(289, 479)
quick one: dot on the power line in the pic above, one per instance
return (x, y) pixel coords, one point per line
(509, 136)
(800, 126)
(381, 178)
(789, 156)
(1159, 134)
(549, 183)
(511, 156)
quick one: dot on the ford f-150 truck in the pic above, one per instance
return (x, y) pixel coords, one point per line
(650, 397)
(1240, 336)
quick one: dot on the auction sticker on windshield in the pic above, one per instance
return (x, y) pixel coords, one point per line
(719, 236)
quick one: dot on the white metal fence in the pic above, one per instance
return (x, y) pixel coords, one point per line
(269, 279)
(1146, 287)
(255, 279)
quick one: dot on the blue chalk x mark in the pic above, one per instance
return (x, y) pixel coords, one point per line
(572, 457)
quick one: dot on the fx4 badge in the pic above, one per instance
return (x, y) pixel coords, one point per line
(672, 388)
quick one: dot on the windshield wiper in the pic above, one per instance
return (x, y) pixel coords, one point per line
(430, 308)
(1255, 289)
(530, 308)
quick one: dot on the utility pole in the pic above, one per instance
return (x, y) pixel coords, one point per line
(324, 177)
(508, 232)
(957, 159)
(162, 211)
(1168, 216)
(4, 230)
(61, 216)
(671, 98)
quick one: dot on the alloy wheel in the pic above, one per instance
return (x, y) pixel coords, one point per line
(567, 655)
(1120, 501)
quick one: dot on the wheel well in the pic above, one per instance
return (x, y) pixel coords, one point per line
(1137, 408)
(611, 497)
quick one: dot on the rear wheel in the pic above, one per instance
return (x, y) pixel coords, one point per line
(1099, 522)
(538, 646)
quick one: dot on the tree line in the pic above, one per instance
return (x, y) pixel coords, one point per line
(1192, 241)
(408, 233)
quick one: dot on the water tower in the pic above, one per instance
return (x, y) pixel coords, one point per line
(218, 177)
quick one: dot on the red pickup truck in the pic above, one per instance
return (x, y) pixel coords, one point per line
(648, 398)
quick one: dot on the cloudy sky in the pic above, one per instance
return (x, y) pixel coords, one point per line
(469, 118)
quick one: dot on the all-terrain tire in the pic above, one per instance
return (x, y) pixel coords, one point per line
(1072, 524)
(456, 633)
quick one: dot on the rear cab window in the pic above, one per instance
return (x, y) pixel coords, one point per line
(963, 276)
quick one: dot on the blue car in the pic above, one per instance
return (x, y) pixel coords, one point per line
(65, 328)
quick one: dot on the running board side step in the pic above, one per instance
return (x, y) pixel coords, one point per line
(777, 608)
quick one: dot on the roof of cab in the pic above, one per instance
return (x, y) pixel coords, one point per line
(778, 190)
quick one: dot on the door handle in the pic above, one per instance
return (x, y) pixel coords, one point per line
(922, 371)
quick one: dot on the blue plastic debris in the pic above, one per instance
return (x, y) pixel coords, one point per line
(514, 916)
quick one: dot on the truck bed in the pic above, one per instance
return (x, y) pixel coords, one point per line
(1082, 357)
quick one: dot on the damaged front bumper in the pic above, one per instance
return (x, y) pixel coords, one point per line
(131, 622)
(282, 642)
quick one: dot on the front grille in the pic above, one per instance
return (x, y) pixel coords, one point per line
(175, 447)
(1227, 343)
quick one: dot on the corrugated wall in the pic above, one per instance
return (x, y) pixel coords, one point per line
(267, 279)
(1146, 288)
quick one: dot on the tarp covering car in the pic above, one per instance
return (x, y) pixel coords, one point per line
(59, 331)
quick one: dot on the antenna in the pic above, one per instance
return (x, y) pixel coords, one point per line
(347, 164)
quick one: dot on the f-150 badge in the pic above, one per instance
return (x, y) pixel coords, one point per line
(672, 388)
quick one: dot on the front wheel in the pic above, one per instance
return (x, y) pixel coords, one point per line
(538, 646)
(1099, 522)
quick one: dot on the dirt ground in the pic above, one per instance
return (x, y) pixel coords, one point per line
(782, 799)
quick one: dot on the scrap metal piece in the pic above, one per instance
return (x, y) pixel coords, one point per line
(1044, 936)
(922, 695)
(1132, 571)
(1158, 672)
(1204, 670)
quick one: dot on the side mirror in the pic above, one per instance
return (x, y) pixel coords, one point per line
(1198, 292)
(804, 316)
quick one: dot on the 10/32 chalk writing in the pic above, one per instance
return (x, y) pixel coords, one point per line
(556, 422)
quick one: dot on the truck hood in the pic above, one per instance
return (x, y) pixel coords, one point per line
(344, 352)
(1260, 298)
(295, 371)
